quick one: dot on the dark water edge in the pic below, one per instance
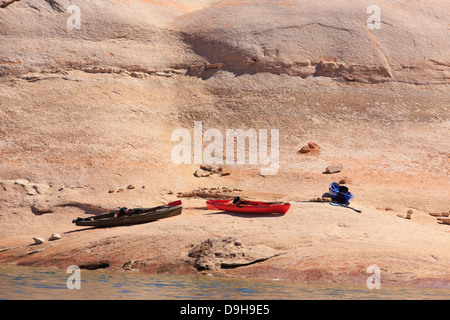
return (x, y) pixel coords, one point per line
(28, 283)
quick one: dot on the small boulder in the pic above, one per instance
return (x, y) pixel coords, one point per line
(200, 174)
(311, 147)
(206, 167)
(333, 169)
(409, 214)
(345, 180)
(55, 236)
(304, 149)
(38, 240)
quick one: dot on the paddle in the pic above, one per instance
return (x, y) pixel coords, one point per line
(345, 206)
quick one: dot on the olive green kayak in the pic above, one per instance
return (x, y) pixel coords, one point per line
(124, 216)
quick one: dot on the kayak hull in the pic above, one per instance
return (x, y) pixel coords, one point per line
(252, 207)
(144, 216)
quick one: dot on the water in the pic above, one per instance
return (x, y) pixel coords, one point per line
(19, 283)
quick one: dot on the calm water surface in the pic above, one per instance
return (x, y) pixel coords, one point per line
(36, 283)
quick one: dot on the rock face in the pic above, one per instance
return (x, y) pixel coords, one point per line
(228, 252)
(299, 38)
(83, 110)
(304, 39)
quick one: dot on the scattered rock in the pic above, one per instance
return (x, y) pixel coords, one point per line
(122, 189)
(200, 174)
(333, 169)
(409, 214)
(38, 240)
(304, 149)
(207, 171)
(206, 167)
(435, 214)
(444, 220)
(55, 236)
(211, 193)
(322, 199)
(311, 148)
(345, 180)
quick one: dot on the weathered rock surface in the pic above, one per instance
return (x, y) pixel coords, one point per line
(304, 39)
(228, 252)
(297, 38)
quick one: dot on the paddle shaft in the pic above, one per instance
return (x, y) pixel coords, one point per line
(345, 206)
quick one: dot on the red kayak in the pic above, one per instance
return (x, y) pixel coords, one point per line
(244, 206)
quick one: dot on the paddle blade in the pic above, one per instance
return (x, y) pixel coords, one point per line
(174, 203)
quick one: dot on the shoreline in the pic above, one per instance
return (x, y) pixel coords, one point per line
(313, 243)
(428, 284)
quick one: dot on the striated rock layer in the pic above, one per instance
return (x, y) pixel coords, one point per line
(299, 38)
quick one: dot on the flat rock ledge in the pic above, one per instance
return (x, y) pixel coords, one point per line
(228, 252)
